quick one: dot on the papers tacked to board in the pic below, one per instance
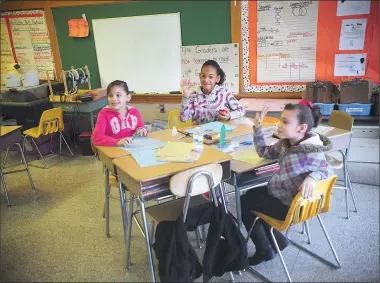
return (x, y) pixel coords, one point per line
(286, 41)
(347, 8)
(350, 64)
(352, 34)
(226, 55)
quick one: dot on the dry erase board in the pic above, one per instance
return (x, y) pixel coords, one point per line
(25, 40)
(226, 55)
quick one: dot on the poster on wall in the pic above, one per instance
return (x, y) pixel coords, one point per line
(29, 41)
(350, 64)
(226, 55)
(348, 8)
(286, 41)
(352, 34)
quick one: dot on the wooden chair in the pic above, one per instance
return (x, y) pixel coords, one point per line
(300, 211)
(51, 122)
(343, 121)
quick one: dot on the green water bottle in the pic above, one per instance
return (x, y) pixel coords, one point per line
(222, 139)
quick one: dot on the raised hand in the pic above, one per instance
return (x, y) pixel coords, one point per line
(186, 89)
(260, 116)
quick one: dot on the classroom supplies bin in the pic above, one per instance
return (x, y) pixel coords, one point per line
(85, 143)
(325, 108)
(356, 109)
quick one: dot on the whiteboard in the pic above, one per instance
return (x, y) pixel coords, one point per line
(286, 41)
(144, 51)
(227, 56)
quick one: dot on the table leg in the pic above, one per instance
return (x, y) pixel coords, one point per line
(124, 217)
(107, 205)
(26, 165)
(238, 204)
(92, 121)
(147, 239)
(129, 228)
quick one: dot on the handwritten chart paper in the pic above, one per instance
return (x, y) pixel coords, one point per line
(286, 41)
(227, 56)
(350, 64)
(6, 55)
(352, 34)
(78, 28)
(30, 41)
(347, 8)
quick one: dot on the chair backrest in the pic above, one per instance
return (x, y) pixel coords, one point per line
(303, 209)
(51, 121)
(341, 120)
(174, 120)
(196, 181)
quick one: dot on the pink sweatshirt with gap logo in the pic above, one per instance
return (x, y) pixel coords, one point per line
(111, 127)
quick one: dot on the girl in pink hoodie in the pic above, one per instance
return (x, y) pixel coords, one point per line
(118, 122)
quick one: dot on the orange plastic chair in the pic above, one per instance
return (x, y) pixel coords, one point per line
(174, 120)
(300, 211)
(51, 122)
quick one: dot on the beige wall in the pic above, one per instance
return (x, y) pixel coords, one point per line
(152, 111)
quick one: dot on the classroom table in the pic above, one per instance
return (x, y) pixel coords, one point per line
(137, 180)
(106, 154)
(83, 107)
(11, 135)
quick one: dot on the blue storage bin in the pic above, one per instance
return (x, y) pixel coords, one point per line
(325, 108)
(356, 109)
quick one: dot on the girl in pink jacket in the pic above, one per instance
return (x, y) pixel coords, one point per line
(118, 122)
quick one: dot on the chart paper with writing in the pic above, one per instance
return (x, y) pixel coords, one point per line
(286, 41)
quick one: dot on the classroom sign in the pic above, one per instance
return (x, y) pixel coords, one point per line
(227, 56)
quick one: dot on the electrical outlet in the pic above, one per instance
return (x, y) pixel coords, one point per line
(162, 108)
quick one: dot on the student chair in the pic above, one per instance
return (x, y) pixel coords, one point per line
(174, 120)
(185, 185)
(15, 171)
(51, 122)
(300, 211)
(343, 121)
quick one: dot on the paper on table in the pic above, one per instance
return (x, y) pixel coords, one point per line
(352, 34)
(177, 152)
(347, 8)
(248, 156)
(350, 64)
(212, 127)
(146, 158)
(143, 143)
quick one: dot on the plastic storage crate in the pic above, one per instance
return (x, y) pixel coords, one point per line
(325, 108)
(356, 109)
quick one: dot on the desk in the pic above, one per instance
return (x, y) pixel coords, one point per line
(138, 180)
(83, 107)
(11, 135)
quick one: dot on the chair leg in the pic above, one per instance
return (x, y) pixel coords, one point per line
(232, 278)
(147, 240)
(66, 143)
(5, 187)
(314, 254)
(279, 253)
(345, 175)
(39, 153)
(352, 192)
(26, 165)
(5, 158)
(306, 223)
(198, 237)
(223, 187)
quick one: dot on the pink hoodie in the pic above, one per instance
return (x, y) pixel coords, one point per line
(111, 127)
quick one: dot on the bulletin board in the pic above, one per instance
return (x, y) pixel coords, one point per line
(25, 40)
(327, 38)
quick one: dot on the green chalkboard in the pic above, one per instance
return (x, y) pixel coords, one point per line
(202, 22)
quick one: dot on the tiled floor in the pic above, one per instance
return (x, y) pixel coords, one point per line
(57, 233)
